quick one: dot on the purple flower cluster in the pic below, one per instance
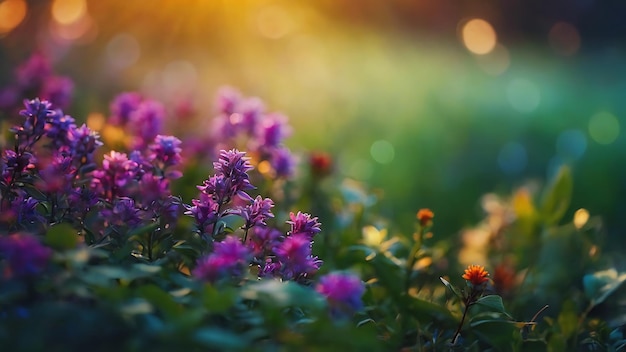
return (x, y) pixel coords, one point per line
(51, 154)
(34, 78)
(343, 292)
(51, 175)
(286, 256)
(243, 123)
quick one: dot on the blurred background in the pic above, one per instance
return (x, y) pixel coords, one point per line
(430, 103)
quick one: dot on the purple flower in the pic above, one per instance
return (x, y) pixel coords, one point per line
(303, 223)
(123, 213)
(343, 292)
(57, 176)
(228, 260)
(282, 162)
(122, 106)
(25, 209)
(294, 254)
(231, 177)
(273, 129)
(24, 255)
(256, 213)
(204, 211)
(146, 122)
(82, 199)
(252, 110)
(15, 164)
(227, 100)
(152, 188)
(59, 129)
(117, 171)
(58, 90)
(263, 239)
(84, 143)
(165, 150)
(37, 113)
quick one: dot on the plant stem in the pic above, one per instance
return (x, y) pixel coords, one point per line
(410, 262)
(468, 304)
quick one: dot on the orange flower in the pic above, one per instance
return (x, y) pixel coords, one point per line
(476, 274)
(425, 216)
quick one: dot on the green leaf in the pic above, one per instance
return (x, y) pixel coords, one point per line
(426, 312)
(568, 319)
(283, 294)
(493, 303)
(451, 287)
(62, 236)
(161, 300)
(557, 196)
(497, 333)
(218, 300)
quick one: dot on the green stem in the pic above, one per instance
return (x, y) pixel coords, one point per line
(412, 258)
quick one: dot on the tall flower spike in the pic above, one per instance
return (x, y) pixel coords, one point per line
(476, 275)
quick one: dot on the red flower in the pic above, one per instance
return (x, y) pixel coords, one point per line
(476, 275)
(425, 216)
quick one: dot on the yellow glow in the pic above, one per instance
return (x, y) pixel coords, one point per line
(581, 216)
(68, 11)
(12, 13)
(274, 22)
(373, 237)
(96, 121)
(264, 167)
(479, 36)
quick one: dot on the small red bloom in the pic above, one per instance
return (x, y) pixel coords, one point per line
(425, 216)
(476, 274)
(321, 164)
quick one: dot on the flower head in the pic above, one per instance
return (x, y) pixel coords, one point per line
(295, 256)
(343, 292)
(476, 275)
(303, 223)
(122, 106)
(425, 216)
(229, 259)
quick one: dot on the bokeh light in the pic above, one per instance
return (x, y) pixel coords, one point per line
(523, 95)
(604, 127)
(382, 152)
(12, 13)
(478, 36)
(581, 216)
(564, 38)
(122, 51)
(66, 12)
